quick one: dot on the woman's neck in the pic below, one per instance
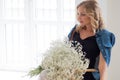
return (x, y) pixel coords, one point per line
(89, 28)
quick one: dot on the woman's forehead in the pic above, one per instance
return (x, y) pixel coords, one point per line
(81, 9)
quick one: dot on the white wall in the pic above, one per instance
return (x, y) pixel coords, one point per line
(113, 24)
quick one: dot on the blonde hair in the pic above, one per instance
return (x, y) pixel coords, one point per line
(93, 11)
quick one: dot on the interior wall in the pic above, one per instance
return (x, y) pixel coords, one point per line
(113, 20)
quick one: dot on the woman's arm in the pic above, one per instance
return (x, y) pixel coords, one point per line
(102, 68)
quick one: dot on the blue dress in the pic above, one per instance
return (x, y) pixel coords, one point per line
(91, 51)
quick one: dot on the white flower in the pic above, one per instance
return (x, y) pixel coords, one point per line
(65, 61)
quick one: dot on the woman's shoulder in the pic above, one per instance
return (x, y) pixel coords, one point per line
(106, 36)
(104, 32)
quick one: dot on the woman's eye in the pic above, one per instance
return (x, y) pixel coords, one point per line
(83, 14)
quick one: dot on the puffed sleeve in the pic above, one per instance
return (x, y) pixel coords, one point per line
(105, 43)
(112, 39)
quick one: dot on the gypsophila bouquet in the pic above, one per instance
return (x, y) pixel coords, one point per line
(63, 61)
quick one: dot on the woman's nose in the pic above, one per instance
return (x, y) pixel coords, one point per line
(79, 16)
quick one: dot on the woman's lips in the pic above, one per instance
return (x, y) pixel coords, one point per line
(81, 21)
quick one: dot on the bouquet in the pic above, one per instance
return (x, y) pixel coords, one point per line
(64, 60)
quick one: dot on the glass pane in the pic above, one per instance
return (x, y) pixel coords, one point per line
(38, 4)
(49, 4)
(67, 27)
(13, 9)
(18, 3)
(53, 4)
(69, 15)
(45, 4)
(19, 45)
(45, 34)
(2, 45)
(9, 44)
(46, 15)
(7, 3)
(45, 10)
(38, 14)
(69, 4)
(49, 15)
(21, 3)
(14, 3)
(7, 13)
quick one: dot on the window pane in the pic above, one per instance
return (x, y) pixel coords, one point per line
(69, 15)
(45, 15)
(38, 4)
(67, 27)
(69, 4)
(13, 9)
(45, 34)
(3, 45)
(45, 10)
(53, 4)
(69, 10)
(50, 4)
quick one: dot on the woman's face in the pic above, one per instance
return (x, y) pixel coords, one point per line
(82, 17)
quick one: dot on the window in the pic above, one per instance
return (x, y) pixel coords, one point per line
(28, 26)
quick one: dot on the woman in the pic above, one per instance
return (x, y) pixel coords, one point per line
(95, 39)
